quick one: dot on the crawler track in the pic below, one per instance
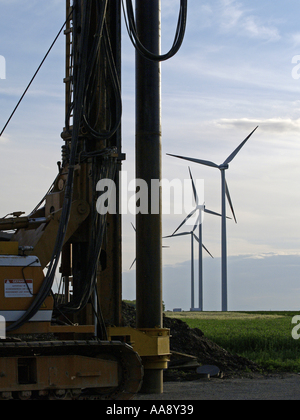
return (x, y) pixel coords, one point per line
(129, 369)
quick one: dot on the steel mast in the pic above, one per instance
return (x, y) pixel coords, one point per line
(148, 167)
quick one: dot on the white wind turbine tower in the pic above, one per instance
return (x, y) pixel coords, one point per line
(225, 193)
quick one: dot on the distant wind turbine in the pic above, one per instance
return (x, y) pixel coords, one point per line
(225, 193)
(193, 236)
(200, 209)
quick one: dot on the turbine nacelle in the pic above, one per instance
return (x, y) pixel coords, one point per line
(224, 166)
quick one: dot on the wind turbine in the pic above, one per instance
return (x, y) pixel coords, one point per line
(192, 234)
(200, 209)
(201, 246)
(225, 193)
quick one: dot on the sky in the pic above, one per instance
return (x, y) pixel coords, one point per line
(237, 69)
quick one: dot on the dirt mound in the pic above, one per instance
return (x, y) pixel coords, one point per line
(192, 341)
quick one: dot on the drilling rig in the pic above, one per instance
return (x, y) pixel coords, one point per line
(71, 343)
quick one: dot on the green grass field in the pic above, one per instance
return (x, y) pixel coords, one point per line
(263, 337)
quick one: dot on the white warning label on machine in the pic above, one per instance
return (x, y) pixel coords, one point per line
(18, 288)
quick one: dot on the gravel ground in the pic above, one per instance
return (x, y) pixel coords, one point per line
(273, 387)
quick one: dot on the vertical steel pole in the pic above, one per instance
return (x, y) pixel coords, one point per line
(192, 273)
(148, 167)
(200, 264)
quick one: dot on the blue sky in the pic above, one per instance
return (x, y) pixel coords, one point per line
(233, 72)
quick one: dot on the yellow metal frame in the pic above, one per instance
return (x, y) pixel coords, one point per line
(9, 248)
(152, 344)
(58, 372)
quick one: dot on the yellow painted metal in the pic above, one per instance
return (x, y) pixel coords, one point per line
(35, 274)
(14, 296)
(43, 238)
(9, 248)
(56, 372)
(72, 329)
(60, 330)
(32, 328)
(152, 344)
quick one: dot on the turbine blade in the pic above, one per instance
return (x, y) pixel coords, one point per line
(132, 264)
(200, 161)
(194, 188)
(187, 218)
(212, 212)
(204, 247)
(215, 214)
(177, 234)
(229, 201)
(233, 154)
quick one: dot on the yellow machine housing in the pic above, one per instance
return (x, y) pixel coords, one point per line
(21, 277)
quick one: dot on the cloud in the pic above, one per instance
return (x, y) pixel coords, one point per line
(274, 125)
(256, 29)
(234, 17)
(274, 255)
(295, 38)
(4, 139)
(232, 14)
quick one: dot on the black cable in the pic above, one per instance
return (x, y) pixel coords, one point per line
(102, 41)
(102, 334)
(100, 49)
(46, 286)
(133, 33)
(24, 278)
(81, 78)
(35, 74)
(44, 198)
(98, 228)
